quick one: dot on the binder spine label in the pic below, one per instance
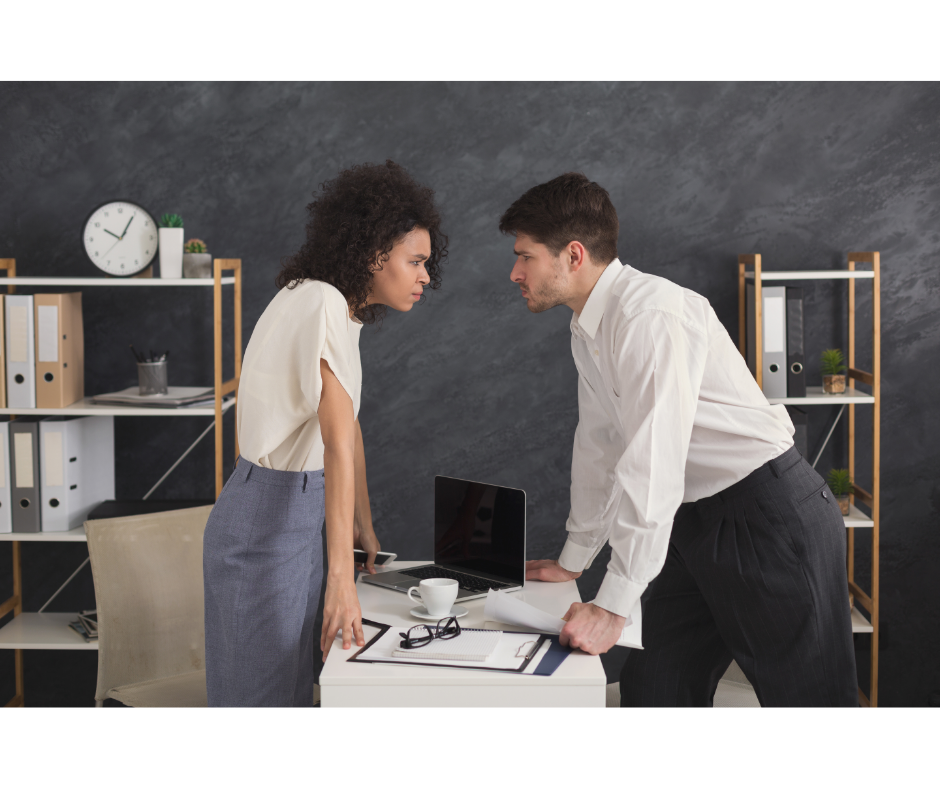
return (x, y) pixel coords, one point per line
(19, 334)
(773, 325)
(23, 469)
(52, 459)
(48, 340)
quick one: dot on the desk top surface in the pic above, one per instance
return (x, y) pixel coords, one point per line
(391, 607)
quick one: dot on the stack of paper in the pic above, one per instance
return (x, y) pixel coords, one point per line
(509, 609)
(176, 397)
(469, 645)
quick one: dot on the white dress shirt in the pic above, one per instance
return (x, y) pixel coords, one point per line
(280, 385)
(668, 412)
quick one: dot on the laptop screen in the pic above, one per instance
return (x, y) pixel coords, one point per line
(480, 528)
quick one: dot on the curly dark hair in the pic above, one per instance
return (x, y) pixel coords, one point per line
(359, 214)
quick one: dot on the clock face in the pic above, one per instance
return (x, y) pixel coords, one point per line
(120, 238)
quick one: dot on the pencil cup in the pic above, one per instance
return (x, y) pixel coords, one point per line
(151, 377)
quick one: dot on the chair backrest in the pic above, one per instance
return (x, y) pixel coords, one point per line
(148, 585)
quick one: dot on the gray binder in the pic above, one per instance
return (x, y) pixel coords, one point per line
(21, 352)
(796, 373)
(774, 339)
(77, 461)
(24, 464)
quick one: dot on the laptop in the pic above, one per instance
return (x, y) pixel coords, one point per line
(479, 540)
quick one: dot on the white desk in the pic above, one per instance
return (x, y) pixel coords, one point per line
(579, 680)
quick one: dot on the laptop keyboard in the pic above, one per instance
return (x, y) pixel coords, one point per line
(477, 585)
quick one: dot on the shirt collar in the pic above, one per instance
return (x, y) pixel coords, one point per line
(593, 311)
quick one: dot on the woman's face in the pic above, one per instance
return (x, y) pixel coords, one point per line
(400, 281)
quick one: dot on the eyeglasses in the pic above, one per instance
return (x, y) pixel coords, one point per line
(421, 635)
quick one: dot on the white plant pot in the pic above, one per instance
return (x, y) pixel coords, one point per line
(171, 252)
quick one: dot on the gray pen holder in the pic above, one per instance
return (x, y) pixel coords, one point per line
(151, 377)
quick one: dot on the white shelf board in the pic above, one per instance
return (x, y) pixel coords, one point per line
(859, 622)
(44, 631)
(816, 396)
(85, 407)
(100, 281)
(75, 535)
(781, 276)
(857, 519)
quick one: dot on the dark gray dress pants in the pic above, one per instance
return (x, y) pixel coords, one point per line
(262, 569)
(755, 573)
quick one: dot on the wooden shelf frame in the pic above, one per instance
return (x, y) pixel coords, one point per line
(233, 266)
(750, 269)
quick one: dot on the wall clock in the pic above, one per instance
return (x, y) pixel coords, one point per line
(120, 238)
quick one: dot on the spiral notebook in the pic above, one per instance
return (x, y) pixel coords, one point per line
(471, 645)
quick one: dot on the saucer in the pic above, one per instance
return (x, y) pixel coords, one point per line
(422, 612)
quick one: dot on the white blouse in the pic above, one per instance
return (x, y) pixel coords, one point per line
(279, 390)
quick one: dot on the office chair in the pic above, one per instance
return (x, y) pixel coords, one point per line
(148, 583)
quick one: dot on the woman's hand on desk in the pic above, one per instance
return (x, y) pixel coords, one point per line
(341, 612)
(549, 571)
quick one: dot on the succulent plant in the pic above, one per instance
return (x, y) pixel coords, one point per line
(195, 246)
(171, 220)
(839, 481)
(833, 362)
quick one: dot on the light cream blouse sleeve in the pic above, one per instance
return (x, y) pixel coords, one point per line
(280, 386)
(328, 339)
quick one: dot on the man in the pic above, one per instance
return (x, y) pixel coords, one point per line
(683, 466)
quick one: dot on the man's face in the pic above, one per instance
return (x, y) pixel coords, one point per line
(540, 274)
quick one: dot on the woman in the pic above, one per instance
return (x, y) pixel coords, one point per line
(373, 241)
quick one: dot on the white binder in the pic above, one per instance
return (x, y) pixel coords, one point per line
(774, 314)
(77, 468)
(6, 518)
(21, 351)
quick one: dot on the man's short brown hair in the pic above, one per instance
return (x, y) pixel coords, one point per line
(567, 208)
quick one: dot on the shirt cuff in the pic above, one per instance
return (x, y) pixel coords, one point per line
(618, 595)
(575, 557)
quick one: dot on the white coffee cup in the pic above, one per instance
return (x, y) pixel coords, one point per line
(438, 595)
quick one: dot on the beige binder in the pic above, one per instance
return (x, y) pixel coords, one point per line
(60, 349)
(3, 361)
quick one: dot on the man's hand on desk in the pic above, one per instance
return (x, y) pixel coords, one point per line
(590, 628)
(549, 571)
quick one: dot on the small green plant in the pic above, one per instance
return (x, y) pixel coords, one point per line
(833, 362)
(195, 246)
(839, 481)
(171, 220)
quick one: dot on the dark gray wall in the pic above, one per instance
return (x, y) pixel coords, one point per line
(470, 383)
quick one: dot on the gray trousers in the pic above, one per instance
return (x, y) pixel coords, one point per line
(755, 573)
(262, 568)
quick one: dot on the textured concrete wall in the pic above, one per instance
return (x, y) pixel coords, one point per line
(470, 383)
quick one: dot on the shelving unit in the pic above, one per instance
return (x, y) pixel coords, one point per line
(850, 399)
(51, 630)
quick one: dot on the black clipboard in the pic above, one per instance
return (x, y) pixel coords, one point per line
(383, 628)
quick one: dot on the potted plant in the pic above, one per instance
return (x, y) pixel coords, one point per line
(171, 246)
(840, 483)
(833, 367)
(197, 262)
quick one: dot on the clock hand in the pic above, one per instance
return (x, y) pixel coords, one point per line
(128, 225)
(105, 255)
(113, 235)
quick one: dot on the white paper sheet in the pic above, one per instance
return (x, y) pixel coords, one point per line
(510, 652)
(509, 609)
